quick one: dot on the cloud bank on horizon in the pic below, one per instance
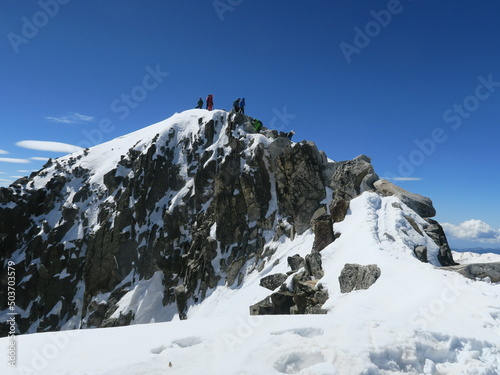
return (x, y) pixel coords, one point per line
(473, 230)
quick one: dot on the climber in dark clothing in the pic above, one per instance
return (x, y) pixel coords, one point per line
(200, 104)
(236, 105)
(242, 106)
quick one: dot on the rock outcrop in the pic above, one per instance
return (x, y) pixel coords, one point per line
(357, 277)
(421, 205)
(305, 295)
(474, 271)
(348, 180)
(435, 231)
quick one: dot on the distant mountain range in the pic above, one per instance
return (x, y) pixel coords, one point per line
(479, 250)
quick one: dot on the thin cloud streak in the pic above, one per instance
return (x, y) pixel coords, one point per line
(39, 158)
(49, 146)
(14, 160)
(71, 118)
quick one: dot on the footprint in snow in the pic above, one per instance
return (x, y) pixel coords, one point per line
(187, 342)
(295, 362)
(303, 332)
(181, 343)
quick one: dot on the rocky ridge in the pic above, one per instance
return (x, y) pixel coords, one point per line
(196, 199)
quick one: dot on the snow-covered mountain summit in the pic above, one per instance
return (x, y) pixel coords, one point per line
(199, 217)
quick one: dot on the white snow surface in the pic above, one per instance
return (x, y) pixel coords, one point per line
(415, 319)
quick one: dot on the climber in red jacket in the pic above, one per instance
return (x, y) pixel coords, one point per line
(210, 102)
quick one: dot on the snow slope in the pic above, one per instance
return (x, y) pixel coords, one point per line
(416, 319)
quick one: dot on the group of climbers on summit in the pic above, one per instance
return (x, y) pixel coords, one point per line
(209, 100)
(239, 107)
(238, 104)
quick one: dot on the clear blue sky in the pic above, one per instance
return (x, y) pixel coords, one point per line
(412, 84)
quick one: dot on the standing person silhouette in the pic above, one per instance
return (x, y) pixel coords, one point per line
(236, 105)
(242, 105)
(210, 102)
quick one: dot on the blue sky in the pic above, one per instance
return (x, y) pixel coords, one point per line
(413, 84)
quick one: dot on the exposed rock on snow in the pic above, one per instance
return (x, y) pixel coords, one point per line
(421, 205)
(296, 262)
(323, 232)
(271, 282)
(421, 253)
(350, 179)
(489, 271)
(435, 231)
(304, 296)
(356, 277)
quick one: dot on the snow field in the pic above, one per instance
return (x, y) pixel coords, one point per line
(415, 319)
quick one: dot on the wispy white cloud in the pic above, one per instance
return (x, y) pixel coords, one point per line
(403, 178)
(3, 152)
(473, 230)
(39, 158)
(48, 146)
(14, 160)
(70, 118)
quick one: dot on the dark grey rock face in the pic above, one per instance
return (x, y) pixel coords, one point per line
(421, 253)
(356, 277)
(271, 282)
(295, 262)
(350, 179)
(435, 231)
(148, 217)
(323, 232)
(306, 295)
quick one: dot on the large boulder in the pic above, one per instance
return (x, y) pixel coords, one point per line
(350, 179)
(353, 177)
(356, 277)
(421, 205)
(323, 232)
